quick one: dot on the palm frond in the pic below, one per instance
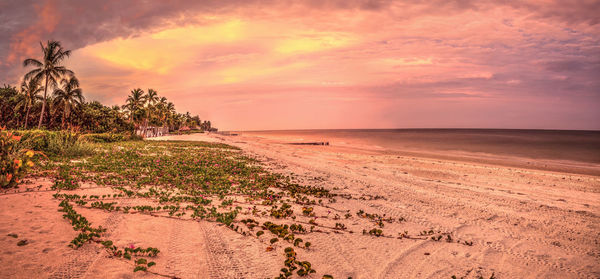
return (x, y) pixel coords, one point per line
(59, 93)
(74, 82)
(33, 74)
(33, 62)
(61, 70)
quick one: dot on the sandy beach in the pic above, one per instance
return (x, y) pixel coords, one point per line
(495, 218)
(338, 139)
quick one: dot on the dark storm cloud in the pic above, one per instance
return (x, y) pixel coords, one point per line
(79, 23)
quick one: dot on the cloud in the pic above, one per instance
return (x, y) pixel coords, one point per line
(259, 55)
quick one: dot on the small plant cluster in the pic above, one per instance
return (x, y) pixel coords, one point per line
(493, 276)
(109, 206)
(374, 232)
(425, 233)
(439, 238)
(308, 211)
(340, 226)
(292, 264)
(378, 219)
(371, 197)
(142, 265)
(250, 223)
(283, 211)
(14, 160)
(129, 253)
(79, 223)
(285, 232)
(297, 190)
(72, 197)
(64, 180)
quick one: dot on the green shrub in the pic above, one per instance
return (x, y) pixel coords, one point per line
(14, 160)
(105, 137)
(56, 143)
(64, 180)
(135, 137)
(187, 132)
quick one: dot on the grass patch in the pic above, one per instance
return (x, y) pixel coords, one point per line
(56, 144)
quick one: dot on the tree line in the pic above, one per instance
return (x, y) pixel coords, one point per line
(64, 107)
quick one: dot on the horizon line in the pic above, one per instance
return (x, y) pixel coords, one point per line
(372, 129)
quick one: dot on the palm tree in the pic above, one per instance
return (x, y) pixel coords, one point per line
(30, 91)
(161, 109)
(49, 69)
(171, 114)
(68, 96)
(135, 101)
(52, 110)
(151, 99)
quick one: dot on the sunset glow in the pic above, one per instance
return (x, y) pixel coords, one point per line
(334, 64)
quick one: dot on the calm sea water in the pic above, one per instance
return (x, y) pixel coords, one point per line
(582, 146)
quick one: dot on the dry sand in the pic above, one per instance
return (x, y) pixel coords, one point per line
(524, 223)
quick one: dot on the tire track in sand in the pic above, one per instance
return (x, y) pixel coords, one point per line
(186, 258)
(224, 263)
(79, 261)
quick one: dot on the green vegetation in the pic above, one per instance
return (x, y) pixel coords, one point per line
(196, 181)
(14, 159)
(51, 93)
(56, 144)
(480, 277)
(48, 70)
(191, 180)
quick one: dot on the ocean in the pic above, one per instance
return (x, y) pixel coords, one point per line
(577, 146)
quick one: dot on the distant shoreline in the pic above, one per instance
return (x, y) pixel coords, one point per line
(505, 160)
(417, 129)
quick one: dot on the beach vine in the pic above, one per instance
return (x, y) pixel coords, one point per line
(199, 181)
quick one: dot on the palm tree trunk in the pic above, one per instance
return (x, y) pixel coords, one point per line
(62, 124)
(27, 115)
(68, 114)
(43, 104)
(69, 120)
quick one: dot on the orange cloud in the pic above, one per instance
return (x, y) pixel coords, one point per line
(24, 43)
(327, 64)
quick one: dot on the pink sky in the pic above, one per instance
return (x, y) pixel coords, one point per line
(248, 65)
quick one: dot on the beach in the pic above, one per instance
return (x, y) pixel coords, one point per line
(524, 222)
(346, 139)
(497, 215)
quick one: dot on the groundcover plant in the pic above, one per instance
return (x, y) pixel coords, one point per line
(198, 181)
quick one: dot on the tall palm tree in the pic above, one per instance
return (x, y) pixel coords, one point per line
(31, 92)
(152, 96)
(49, 68)
(68, 96)
(135, 101)
(161, 109)
(171, 114)
(151, 99)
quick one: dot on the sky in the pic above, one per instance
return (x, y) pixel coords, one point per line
(322, 64)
